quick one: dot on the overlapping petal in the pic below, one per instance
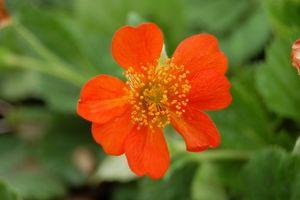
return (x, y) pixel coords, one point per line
(111, 135)
(197, 129)
(147, 152)
(137, 46)
(102, 98)
(105, 100)
(200, 52)
(210, 90)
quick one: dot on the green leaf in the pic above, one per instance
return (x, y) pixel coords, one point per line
(101, 15)
(295, 194)
(108, 16)
(54, 158)
(271, 174)
(278, 82)
(60, 42)
(207, 184)
(245, 120)
(235, 24)
(67, 150)
(16, 84)
(59, 94)
(177, 186)
(60, 52)
(284, 16)
(95, 46)
(58, 91)
(6, 193)
(36, 185)
(207, 15)
(12, 152)
(245, 42)
(22, 173)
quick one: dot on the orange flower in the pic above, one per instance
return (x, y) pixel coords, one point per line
(296, 55)
(129, 117)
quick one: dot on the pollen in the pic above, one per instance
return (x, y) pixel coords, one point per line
(157, 92)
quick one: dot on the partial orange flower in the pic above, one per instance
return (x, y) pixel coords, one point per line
(129, 117)
(4, 16)
(296, 55)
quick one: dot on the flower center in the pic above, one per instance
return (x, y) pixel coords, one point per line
(157, 93)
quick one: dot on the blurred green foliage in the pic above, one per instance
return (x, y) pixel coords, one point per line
(53, 47)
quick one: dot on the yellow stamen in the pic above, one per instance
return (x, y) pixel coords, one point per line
(158, 92)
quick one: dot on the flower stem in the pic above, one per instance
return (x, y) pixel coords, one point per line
(34, 42)
(220, 155)
(43, 67)
(51, 63)
(178, 148)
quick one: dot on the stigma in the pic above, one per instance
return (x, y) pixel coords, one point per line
(157, 92)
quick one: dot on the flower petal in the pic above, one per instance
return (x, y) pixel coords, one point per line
(111, 135)
(147, 152)
(197, 129)
(102, 98)
(137, 46)
(210, 90)
(200, 52)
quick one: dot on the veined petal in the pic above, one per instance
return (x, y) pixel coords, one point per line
(147, 152)
(137, 46)
(102, 98)
(210, 90)
(200, 52)
(197, 129)
(111, 135)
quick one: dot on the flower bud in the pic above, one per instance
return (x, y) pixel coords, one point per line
(296, 55)
(4, 16)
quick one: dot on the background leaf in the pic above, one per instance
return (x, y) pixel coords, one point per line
(284, 15)
(277, 81)
(241, 26)
(7, 193)
(275, 169)
(23, 174)
(245, 120)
